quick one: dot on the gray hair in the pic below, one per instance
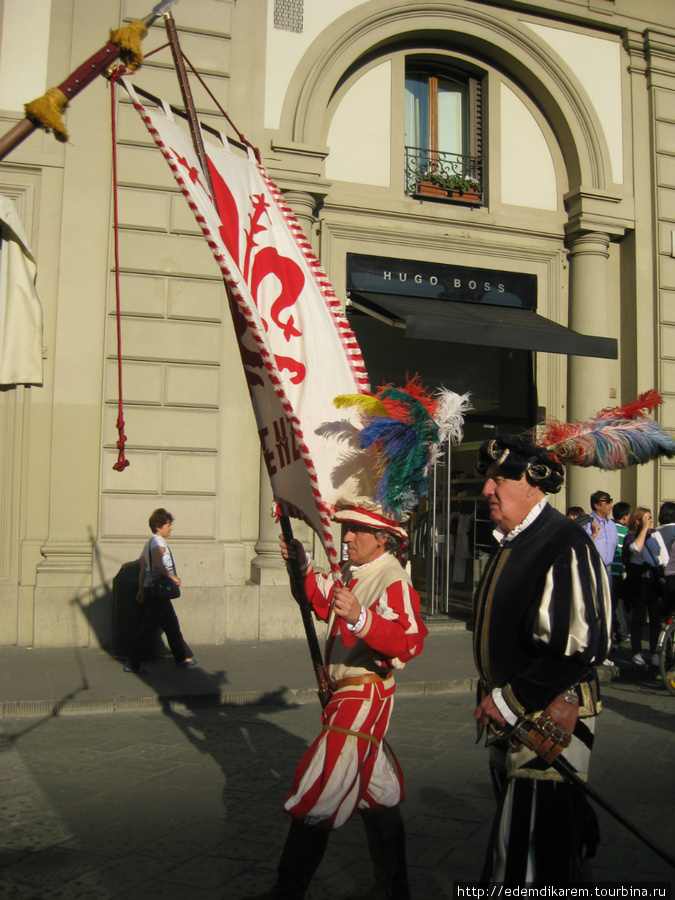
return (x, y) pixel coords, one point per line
(392, 543)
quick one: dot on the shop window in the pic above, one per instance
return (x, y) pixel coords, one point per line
(443, 134)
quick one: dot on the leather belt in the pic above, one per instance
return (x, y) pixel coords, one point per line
(357, 679)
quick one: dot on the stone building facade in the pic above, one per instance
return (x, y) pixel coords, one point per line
(561, 115)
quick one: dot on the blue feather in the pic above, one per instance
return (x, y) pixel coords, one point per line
(402, 464)
(617, 443)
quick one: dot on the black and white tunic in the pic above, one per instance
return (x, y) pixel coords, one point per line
(542, 614)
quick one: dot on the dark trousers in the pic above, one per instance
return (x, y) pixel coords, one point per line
(565, 835)
(669, 600)
(645, 600)
(159, 614)
(620, 624)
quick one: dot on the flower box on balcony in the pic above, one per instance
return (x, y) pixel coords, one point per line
(470, 196)
(431, 189)
(454, 187)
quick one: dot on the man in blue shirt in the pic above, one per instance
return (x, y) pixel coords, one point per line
(604, 533)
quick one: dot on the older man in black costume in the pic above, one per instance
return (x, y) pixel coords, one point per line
(542, 614)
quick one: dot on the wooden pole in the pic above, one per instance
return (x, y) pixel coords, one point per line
(188, 102)
(78, 80)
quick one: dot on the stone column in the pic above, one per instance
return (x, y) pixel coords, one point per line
(304, 205)
(267, 566)
(588, 379)
(654, 109)
(278, 615)
(64, 579)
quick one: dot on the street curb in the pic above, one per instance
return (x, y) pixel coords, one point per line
(21, 709)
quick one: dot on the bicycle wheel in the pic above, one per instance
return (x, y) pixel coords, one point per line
(666, 651)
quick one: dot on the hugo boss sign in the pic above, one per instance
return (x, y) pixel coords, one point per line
(412, 278)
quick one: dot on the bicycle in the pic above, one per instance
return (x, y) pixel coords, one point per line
(665, 650)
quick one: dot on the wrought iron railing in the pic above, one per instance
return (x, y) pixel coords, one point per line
(446, 170)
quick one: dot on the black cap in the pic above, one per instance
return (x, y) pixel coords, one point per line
(515, 455)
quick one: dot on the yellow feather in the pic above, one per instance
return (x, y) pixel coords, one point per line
(365, 403)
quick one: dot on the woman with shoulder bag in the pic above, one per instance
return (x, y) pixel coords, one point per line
(158, 584)
(644, 553)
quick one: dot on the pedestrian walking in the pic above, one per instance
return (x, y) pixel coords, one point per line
(157, 563)
(644, 553)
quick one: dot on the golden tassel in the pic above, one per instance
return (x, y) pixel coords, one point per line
(128, 39)
(46, 112)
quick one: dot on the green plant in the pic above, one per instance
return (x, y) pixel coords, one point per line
(434, 177)
(451, 182)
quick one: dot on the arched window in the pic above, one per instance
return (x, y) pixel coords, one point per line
(443, 133)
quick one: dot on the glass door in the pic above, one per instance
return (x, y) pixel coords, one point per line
(450, 536)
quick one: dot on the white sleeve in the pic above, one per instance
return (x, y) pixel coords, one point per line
(503, 706)
(664, 556)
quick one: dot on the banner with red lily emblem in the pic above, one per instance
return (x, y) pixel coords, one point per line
(297, 348)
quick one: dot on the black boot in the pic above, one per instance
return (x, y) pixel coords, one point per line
(386, 842)
(300, 858)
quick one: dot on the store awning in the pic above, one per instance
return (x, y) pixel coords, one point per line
(483, 324)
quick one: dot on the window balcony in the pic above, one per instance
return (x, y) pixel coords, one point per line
(433, 174)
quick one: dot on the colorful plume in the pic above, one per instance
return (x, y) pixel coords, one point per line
(615, 439)
(406, 427)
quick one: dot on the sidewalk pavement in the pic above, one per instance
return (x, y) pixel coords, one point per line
(45, 681)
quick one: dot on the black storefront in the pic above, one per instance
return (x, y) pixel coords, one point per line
(470, 330)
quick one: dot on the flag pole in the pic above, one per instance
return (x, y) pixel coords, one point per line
(78, 80)
(186, 93)
(300, 594)
(293, 566)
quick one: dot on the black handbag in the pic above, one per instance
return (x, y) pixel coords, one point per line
(162, 587)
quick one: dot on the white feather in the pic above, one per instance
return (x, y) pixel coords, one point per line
(450, 414)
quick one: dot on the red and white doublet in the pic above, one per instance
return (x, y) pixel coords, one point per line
(350, 766)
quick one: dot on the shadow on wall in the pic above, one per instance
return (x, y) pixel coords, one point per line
(113, 613)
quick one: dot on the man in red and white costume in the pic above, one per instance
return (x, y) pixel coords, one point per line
(374, 627)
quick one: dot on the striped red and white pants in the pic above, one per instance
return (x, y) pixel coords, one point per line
(349, 766)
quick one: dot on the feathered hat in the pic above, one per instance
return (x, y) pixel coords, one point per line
(404, 431)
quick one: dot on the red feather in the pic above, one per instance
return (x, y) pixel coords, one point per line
(643, 404)
(400, 410)
(554, 433)
(416, 389)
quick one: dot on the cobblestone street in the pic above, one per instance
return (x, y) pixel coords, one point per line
(175, 804)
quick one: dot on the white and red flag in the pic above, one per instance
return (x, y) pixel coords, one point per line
(297, 348)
